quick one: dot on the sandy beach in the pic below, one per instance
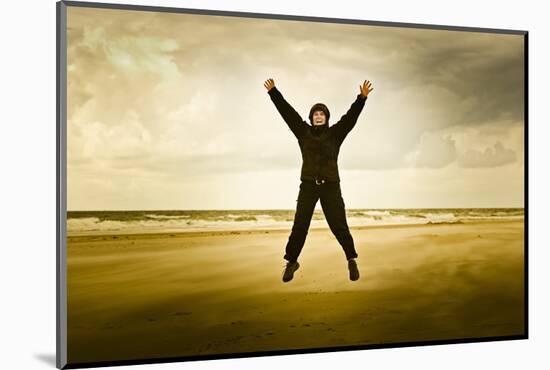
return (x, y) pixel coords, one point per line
(179, 294)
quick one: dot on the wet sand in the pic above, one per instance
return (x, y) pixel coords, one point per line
(183, 294)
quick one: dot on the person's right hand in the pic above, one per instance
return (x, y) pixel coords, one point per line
(366, 88)
(269, 84)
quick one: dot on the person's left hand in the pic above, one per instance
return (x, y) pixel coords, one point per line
(366, 88)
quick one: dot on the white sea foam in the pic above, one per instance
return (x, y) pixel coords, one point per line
(178, 221)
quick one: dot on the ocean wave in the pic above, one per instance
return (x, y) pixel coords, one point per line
(196, 220)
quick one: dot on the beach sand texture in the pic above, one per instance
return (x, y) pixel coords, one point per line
(182, 294)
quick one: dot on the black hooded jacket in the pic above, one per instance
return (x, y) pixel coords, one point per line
(319, 145)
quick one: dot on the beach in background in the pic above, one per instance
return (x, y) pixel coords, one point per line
(117, 222)
(183, 283)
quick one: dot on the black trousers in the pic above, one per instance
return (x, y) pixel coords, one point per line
(333, 207)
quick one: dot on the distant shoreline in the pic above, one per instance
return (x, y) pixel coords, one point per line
(276, 209)
(155, 222)
(90, 235)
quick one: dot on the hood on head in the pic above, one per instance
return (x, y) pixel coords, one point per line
(319, 107)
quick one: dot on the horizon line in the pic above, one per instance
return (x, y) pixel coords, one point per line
(277, 209)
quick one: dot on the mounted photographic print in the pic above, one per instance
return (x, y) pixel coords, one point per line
(241, 184)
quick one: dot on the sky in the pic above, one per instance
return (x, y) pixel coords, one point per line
(169, 111)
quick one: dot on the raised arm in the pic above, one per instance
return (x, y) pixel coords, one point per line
(349, 119)
(291, 117)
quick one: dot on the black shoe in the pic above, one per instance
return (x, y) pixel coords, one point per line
(353, 270)
(289, 271)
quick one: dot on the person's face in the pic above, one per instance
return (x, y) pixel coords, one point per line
(319, 118)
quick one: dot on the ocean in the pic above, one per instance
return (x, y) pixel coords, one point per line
(147, 221)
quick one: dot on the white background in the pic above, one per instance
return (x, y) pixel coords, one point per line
(28, 183)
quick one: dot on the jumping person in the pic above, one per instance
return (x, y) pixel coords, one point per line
(320, 145)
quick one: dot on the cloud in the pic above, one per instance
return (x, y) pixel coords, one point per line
(434, 151)
(495, 156)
